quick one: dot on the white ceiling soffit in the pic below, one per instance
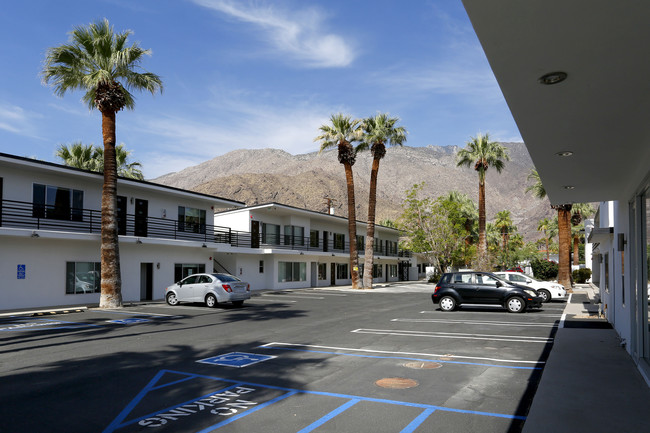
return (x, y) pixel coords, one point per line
(601, 112)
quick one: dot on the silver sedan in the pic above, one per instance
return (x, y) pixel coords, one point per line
(212, 289)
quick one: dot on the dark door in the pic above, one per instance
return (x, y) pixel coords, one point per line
(255, 234)
(325, 241)
(487, 291)
(141, 213)
(146, 281)
(403, 271)
(121, 215)
(465, 286)
(333, 274)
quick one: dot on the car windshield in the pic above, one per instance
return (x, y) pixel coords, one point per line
(226, 277)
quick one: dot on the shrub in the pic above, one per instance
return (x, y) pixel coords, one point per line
(544, 269)
(581, 275)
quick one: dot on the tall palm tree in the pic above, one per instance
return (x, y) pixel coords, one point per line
(99, 62)
(563, 228)
(580, 212)
(503, 222)
(483, 153)
(132, 170)
(469, 214)
(377, 132)
(544, 226)
(78, 155)
(341, 134)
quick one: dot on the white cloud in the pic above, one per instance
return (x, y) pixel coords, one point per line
(16, 120)
(302, 34)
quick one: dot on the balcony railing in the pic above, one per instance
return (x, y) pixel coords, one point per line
(27, 215)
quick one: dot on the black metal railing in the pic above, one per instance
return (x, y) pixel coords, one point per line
(26, 215)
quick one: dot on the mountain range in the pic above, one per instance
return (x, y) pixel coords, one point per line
(255, 176)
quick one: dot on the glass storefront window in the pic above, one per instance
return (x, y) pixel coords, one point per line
(83, 277)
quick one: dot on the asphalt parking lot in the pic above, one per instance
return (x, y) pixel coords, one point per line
(299, 361)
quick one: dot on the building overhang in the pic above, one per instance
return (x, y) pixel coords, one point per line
(588, 134)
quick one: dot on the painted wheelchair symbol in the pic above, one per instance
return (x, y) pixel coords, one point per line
(128, 321)
(236, 359)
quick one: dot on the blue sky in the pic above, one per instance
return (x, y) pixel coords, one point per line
(255, 74)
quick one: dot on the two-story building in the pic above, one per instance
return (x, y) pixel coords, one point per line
(50, 223)
(280, 247)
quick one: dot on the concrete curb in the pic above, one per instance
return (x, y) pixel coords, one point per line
(48, 312)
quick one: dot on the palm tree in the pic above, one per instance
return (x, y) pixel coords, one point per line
(483, 153)
(98, 62)
(78, 155)
(132, 170)
(503, 222)
(580, 212)
(563, 229)
(341, 134)
(544, 226)
(469, 214)
(377, 132)
(91, 157)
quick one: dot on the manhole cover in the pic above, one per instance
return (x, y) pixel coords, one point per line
(396, 383)
(422, 365)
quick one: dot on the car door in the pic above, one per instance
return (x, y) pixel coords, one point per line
(202, 287)
(463, 284)
(185, 290)
(487, 289)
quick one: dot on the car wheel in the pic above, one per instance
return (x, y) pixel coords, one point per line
(211, 300)
(171, 298)
(545, 294)
(447, 303)
(515, 305)
(238, 303)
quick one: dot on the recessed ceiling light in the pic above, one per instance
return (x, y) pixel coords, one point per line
(564, 153)
(569, 187)
(552, 78)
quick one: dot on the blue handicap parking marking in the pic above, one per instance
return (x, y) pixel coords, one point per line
(128, 321)
(184, 401)
(30, 324)
(236, 359)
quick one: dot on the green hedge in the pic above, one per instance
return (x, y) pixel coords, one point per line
(544, 269)
(581, 275)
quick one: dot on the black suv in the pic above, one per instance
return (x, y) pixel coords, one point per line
(457, 288)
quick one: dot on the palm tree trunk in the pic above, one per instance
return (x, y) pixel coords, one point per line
(370, 234)
(482, 239)
(352, 227)
(564, 240)
(111, 292)
(576, 250)
(548, 253)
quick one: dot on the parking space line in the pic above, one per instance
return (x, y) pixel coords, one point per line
(389, 352)
(293, 296)
(417, 421)
(329, 416)
(492, 313)
(482, 322)
(458, 335)
(133, 313)
(258, 298)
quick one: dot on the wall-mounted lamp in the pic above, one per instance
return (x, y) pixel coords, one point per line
(35, 235)
(204, 246)
(621, 242)
(158, 265)
(132, 200)
(138, 241)
(164, 213)
(301, 253)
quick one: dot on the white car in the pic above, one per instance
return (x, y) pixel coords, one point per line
(546, 289)
(212, 289)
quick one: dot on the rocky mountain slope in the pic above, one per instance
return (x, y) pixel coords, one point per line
(273, 175)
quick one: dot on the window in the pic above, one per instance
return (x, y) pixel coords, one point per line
(261, 266)
(361, 242)
(182, 270)
(392, 271)
(292, 271)
(377, 270)
(53, 202)
(322, 271)
(462, 278)
(83, 277)
(294, 235)
(339, 241)
(342, 272)
(270, 234)
(485, 280)
(191, 220)
(313, 238)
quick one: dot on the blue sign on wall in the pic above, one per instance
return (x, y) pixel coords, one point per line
(21, 271)
(236, 359)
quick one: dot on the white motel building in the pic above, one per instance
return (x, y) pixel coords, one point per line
(50, 223)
